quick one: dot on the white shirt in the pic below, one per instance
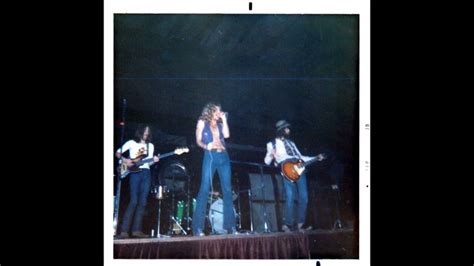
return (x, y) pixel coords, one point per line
(134, 148)
(281, 154)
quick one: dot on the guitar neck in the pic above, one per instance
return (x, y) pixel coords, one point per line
(151, 159)
(310, 161)
(166, 154)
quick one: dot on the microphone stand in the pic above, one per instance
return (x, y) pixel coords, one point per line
(119, 178)
(265, 218)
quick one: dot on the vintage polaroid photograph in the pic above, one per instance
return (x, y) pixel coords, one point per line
(236, 131)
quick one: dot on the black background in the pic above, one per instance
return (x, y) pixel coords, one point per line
(60, 218)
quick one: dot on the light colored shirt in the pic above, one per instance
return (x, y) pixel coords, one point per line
(281, 154)
(135, 147)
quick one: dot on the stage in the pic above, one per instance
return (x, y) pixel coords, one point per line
(315, 244)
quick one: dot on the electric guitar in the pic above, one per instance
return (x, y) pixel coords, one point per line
(125, 170)
(292, 169)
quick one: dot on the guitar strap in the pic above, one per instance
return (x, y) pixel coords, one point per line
(147, 151)
(288, 143)
(274, 147)
(293, 147)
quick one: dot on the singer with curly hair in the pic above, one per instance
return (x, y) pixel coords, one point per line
(211, 131)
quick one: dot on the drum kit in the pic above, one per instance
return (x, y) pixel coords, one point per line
(173, 189)
(216, 212)
(216, 216)
(174, 192)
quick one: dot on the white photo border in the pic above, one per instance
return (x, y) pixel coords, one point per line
(342, 7)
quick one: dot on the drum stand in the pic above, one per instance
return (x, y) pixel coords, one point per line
(159, 196)
(170, 229)
(158, 235)
(173, 220)
(176, 222)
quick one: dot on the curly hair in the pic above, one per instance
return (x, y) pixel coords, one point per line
(208, 110)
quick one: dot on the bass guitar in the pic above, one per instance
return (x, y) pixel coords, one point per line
(138, 161)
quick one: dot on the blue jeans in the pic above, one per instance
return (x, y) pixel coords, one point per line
(214, 161)
(139, 189)
(290, 189)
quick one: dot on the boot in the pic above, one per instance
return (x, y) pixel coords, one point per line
(286, 228)
(303, 230)
(139, 234)
(123, 235)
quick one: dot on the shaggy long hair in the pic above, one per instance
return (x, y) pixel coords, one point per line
(140, 131)
(208, 110)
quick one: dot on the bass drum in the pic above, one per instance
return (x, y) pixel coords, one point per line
(216, 216)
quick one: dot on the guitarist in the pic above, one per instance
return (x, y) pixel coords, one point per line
(281, 149)
(140, 181)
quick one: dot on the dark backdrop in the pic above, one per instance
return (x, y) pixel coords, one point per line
(261, 68)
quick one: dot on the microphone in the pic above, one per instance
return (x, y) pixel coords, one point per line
(226, 116)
